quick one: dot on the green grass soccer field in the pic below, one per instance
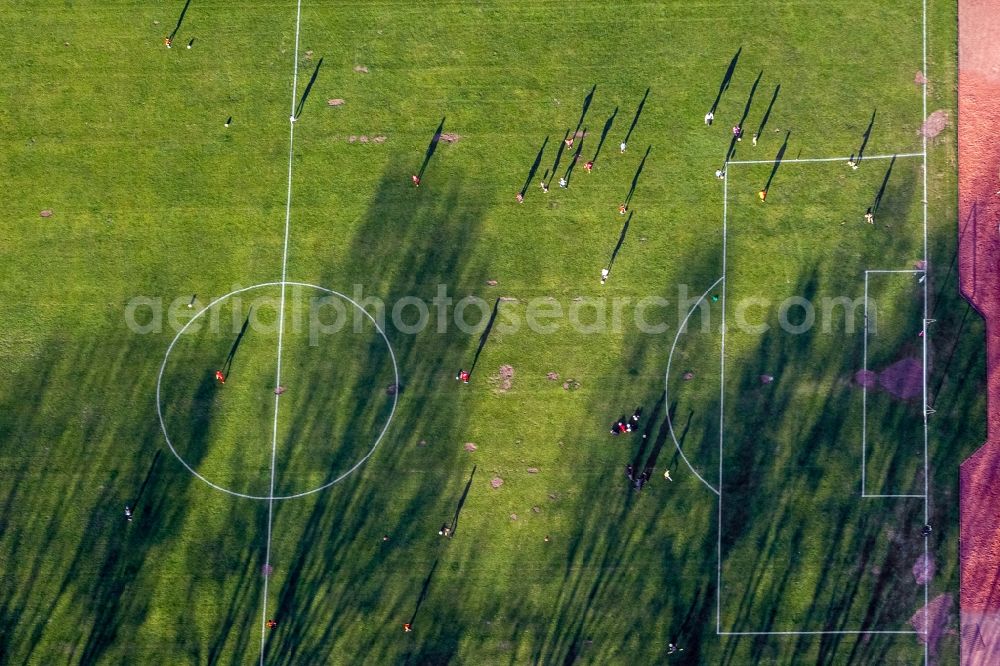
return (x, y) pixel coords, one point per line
(246, 205)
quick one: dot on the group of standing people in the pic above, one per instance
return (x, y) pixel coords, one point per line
(624, 426)
(637, 481)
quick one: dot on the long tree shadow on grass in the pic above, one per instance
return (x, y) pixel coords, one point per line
(339, 543)
(97, 581)
(613, 561)
(336, 535)
(621, 543)
(865, 577)
(776, 502)
(83, 565)
(626, 543)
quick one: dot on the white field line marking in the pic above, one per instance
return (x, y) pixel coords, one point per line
(864, 394)
(894, 496)
(184, 328)
(670, 358)
(926, 466)
(281, 328)
(810, 633)
(831, 159)
(722, 402)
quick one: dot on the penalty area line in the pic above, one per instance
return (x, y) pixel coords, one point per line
(826, 159)
(815, 633)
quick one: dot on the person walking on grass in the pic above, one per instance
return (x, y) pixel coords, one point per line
(462, 376)
(709, 117)
(622, 209)
(563, 182)
(589, 166)
(666, 475)
(221, 378)
(128, 513)
(622, 146)
(762, 195)
(520, 198)
(738, 132)
(416, 180)
(869, 217)
(168, 42)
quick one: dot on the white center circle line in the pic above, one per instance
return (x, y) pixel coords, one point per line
(272, 497)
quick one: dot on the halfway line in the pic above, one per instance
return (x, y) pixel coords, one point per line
(281, 329)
